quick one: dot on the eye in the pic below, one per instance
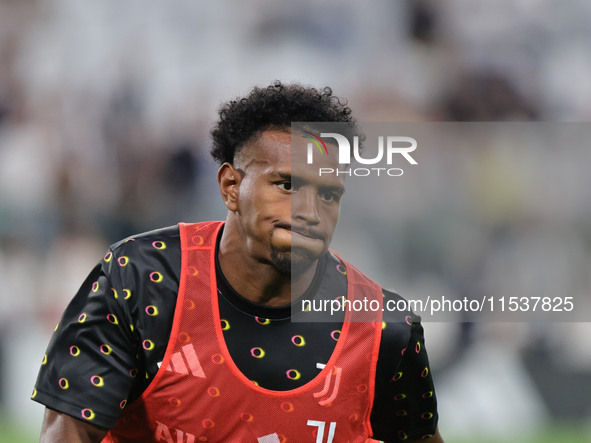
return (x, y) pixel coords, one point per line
(329, 196)
(285, 186)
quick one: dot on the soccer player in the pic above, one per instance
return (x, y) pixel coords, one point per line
(196, 332)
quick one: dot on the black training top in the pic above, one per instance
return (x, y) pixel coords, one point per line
(118, 314)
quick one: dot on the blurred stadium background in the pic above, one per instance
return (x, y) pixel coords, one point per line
(105, 108)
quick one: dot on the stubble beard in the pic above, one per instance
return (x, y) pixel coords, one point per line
(294, 262)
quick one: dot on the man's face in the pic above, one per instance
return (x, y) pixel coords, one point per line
(287, 212)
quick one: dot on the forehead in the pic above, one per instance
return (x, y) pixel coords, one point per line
(282, 150)
(271, 146)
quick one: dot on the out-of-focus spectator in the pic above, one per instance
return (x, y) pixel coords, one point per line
(485, 96)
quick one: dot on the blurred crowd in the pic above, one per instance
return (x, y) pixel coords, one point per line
(105, 109)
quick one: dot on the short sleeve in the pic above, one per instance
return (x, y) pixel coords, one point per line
(405, 404)
(91, 362)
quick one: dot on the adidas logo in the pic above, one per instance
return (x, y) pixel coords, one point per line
(185, 362)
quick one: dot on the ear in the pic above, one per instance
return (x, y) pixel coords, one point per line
(229, 179)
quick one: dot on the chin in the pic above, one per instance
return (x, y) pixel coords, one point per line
(293, 262)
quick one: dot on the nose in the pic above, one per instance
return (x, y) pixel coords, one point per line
(304, 206)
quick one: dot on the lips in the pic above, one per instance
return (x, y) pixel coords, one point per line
(304, 232)
(287, 238)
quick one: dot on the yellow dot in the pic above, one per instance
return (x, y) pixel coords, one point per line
(212, 391)
(286, 406)
(298, 340)
(257, 352)
(123, 260)
(208, 423)
(88, 414)
(245, 416)
(293, 374)
(218, 359)
(184, 337)
(97, 381)
(156, 277)
(152, 310)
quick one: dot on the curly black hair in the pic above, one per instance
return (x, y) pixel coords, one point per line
(275, 106)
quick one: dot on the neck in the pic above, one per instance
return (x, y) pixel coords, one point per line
(256, 279)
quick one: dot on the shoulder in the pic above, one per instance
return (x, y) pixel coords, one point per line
(396, 307)
(148, 251)
(159, 239)
(146, 265)
(399, 322)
